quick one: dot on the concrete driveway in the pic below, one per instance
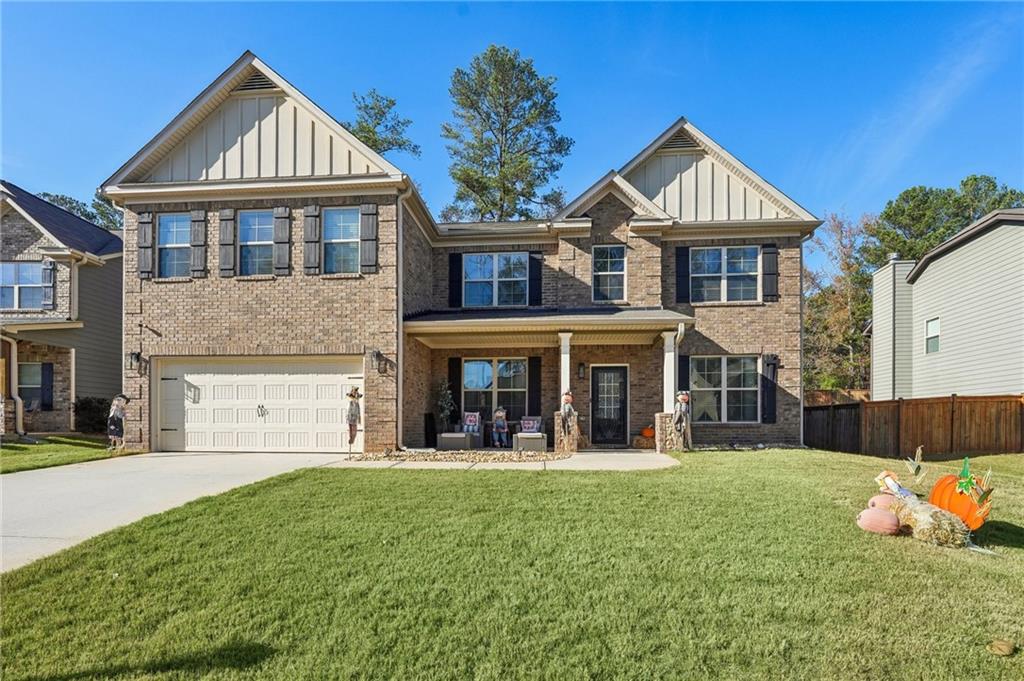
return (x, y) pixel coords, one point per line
(51, 509)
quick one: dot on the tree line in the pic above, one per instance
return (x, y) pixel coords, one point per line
(506, 152)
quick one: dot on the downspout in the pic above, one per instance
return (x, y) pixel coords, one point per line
(19, 407)
(400, 260)
(806, 238)
(892, 264)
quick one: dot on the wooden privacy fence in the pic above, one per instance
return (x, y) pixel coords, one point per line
(945, 426)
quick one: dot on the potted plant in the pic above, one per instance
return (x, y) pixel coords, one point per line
(445, 404)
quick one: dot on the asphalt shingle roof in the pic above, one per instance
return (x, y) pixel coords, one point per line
(68, 228)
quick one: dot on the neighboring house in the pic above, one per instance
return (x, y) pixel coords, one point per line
(274, 261)
(953, 322)
(60, 312)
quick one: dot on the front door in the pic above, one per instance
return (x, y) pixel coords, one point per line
(609, 405)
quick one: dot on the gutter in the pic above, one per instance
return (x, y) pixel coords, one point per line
(400, 312)
(19, 407)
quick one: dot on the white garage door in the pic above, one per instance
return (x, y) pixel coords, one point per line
(256, 404)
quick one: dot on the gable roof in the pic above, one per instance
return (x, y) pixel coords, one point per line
(683, 135)
(613, 183)
(248, 72)
(66, 228)
(994, 219)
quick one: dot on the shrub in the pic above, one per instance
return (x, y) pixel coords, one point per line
(91, 414)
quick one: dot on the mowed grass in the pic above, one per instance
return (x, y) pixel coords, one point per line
(732, 566)
(55, 450)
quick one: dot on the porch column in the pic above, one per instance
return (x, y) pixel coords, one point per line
(563, 338)
(669, 371)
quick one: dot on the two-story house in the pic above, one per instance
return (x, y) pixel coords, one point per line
(953, 321)
(60, 312)
(274, 262)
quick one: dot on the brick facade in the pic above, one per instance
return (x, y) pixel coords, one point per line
(23, 241)
(58, 420)
(290, 315)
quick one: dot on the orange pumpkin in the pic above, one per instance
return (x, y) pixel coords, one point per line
(882, 501)
(962, 505)
(878, 521)
(647, 432)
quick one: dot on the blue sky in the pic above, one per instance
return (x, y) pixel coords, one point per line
(839, 105)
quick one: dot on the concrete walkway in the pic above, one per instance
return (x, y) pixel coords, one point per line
(50, 509)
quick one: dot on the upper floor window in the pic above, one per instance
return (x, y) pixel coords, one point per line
(609, 273)
(931, 336)
(21, 285)
(173, 239)
(341, 240)
(724, 274)
(495, 279)
(724, 389)
(255, 242)
(491, 383)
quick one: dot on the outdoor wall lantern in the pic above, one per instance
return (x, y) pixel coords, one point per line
(133, 360)
(380, 360)
(581, 370)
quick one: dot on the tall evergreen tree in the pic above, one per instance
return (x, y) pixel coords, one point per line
(379, 126)
(503, 141)
(921, 218)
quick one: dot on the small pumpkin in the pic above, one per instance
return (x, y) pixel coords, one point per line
(961, 504)
(882, 501)
(647, 432)
(878, 521)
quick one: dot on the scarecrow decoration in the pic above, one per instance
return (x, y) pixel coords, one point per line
(353, 416)
(570, 426)
(957, 505)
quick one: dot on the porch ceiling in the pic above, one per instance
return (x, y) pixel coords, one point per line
(540, 328)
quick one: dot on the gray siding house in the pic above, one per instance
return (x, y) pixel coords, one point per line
(953, 322)
(60, 312)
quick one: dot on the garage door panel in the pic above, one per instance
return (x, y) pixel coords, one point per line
(257, 404)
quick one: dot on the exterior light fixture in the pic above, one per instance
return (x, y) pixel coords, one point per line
(133, 360)
(380, 360)
(581, 370)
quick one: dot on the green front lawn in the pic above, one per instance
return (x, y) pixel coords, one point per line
(732, 565)
(55, 450)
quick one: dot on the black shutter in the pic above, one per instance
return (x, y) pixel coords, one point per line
(197, 240)
(226, 242)
(533, 387)
(49, 285)
(769, 273)
(454, 280)
(455, 383)
(536, 283)
(769, 377)
(282, 241)
(145, 243)
(368, 238)
(683, 373)
(682, 274)
(46, 387)
(311, 239)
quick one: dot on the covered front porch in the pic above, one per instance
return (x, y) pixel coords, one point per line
(620, 364)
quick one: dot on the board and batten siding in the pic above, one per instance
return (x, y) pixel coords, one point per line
(98, 343)
(263, 136)
(977, 293)
(890, 288)
(693, 187)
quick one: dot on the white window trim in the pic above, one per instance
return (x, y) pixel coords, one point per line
(240, 243)
(324, 241)
(936, 336)
(724, 288)
(594, 274)
(494, 387)
(495, 278)
(723, 405)
(17, 287)
(156, 265)
(21, 375)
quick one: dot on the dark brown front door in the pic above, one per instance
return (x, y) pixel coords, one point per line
(609, 404)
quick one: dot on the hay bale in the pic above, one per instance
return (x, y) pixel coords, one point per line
(930, 523)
